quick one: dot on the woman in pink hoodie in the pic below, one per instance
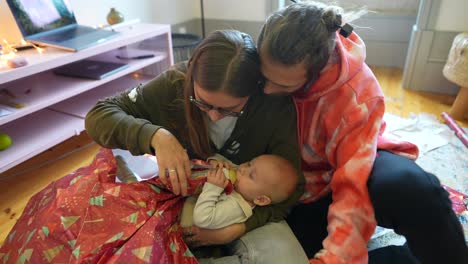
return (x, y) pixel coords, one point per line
(355, 178)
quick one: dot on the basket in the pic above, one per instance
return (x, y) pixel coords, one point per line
(183, 46)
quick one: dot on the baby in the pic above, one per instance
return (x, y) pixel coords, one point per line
(267, 179)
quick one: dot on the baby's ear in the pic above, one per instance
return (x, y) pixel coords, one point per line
(262, 200)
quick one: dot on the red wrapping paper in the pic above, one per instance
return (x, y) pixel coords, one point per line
(86, 217)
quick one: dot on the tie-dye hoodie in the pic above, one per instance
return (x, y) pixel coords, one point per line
(340, 126)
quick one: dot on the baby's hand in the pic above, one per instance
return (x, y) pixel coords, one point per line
(219, 164)
(216, 177)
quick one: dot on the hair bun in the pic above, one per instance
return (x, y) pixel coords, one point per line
(331, 19)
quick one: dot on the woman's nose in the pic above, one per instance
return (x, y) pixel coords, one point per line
(214, 115)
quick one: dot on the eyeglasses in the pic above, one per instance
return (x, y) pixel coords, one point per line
(206, 107)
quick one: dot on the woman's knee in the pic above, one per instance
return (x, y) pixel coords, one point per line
(403, 183)
(273, 243)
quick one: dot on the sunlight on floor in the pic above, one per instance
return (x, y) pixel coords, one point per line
(403, 102)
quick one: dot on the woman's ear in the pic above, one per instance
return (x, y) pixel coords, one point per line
(262, 200)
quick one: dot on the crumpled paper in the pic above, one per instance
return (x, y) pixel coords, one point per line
(423, 130)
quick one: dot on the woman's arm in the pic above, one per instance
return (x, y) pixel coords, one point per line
(196, 237)
(351, 220)
(130, 119)
(139, 120)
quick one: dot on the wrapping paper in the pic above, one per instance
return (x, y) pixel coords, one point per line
(86, 217)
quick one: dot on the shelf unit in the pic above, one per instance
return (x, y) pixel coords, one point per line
(55, 106)
(80, 105)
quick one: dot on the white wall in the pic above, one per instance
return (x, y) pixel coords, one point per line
(157, 11)
(246, 10)
(174, 11)
(452, 16)
(94, 12)
(395, 6)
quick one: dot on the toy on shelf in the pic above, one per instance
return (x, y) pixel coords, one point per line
(5, 141)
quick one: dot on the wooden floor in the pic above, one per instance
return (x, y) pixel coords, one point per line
(18, 184)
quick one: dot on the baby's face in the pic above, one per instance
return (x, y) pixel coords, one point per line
(252, 178)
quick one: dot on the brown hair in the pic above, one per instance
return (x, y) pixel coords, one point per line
(301, 33)
(226, 61)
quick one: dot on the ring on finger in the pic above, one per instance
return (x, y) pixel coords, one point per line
(172, 170)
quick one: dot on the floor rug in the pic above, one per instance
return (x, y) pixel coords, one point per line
(441, 153)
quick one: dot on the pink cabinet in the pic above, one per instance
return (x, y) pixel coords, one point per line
(55, 106)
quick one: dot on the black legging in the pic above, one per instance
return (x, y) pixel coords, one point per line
(406, 199)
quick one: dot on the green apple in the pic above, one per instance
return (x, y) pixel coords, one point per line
(5, 141)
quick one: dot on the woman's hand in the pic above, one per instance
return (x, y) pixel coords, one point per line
(173, 160)
(216, 177)
(196, 237)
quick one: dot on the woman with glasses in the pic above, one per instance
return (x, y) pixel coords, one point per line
(211, 104)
